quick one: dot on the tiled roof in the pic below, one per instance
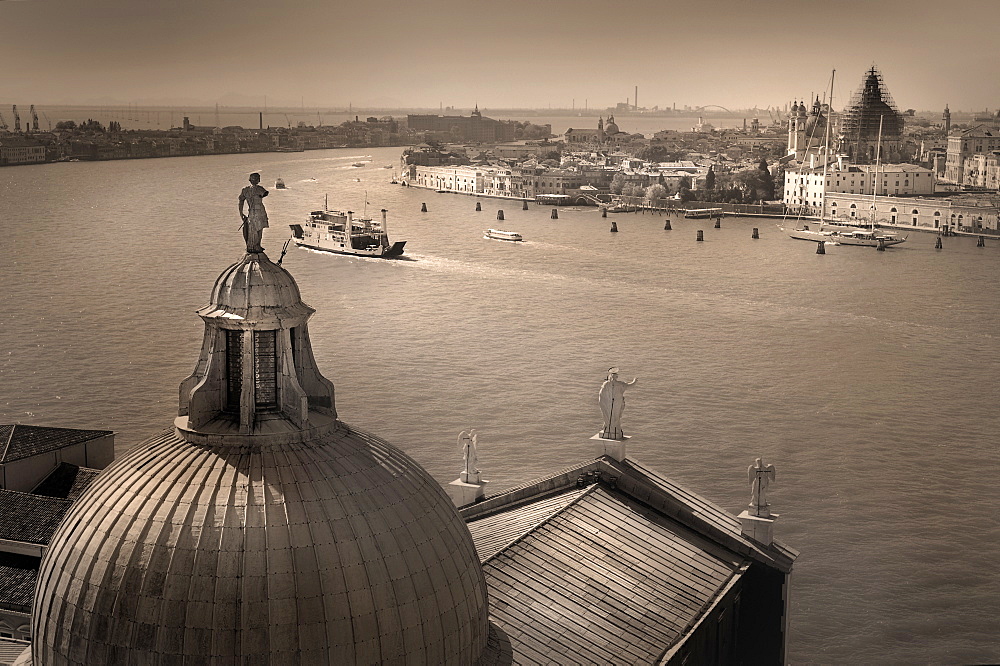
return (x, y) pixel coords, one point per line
(30, 518)
(17, 581)
(24, 441)
(604, 580)
(67, 481)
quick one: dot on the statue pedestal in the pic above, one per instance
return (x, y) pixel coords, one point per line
(616, 448)
(463, 493)
(758, 528)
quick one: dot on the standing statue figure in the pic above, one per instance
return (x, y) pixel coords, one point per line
(760, 476)
(612, 401)
(468, 441)
(255, 219)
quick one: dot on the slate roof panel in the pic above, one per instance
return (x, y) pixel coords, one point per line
(602, 579)
(30, 518)
(23, 441)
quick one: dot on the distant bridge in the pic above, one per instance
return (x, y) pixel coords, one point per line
(712, 106)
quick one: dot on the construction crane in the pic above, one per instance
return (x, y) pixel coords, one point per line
(47, 120)
(17, 120)
(34, 119)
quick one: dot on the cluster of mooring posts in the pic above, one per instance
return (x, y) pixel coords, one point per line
(754, 234)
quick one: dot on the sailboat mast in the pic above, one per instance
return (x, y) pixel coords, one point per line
(826, 148)
(878, 159)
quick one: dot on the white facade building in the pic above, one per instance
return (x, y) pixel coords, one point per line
(805, 186)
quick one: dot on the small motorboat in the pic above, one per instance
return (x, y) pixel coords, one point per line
(279, 184)
(499, 234)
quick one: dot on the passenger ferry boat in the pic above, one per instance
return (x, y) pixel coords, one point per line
(341, 233)
(499, 234)
(279, 184)
(698, 213)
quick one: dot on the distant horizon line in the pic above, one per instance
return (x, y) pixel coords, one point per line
(389, 110)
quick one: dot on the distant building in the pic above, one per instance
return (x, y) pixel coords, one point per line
(952, 213)
(807, 133)
(963, 144)
(804, 186)
(604, 135)
(20, 150)
(475, 127)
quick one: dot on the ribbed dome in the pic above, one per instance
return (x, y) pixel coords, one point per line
(333, 548)
(255, 288)
(816, 125)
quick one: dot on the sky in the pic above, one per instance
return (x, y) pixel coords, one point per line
(498, 54)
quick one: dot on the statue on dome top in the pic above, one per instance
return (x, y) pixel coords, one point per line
(255, 219)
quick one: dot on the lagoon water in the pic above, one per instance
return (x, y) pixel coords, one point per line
(868, 378)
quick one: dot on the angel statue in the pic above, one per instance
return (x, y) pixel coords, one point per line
(467, 441)
(760, 476)
(612, 401)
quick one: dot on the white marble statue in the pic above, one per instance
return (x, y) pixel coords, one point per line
(760, 476)
(467, 441)
(612, 401)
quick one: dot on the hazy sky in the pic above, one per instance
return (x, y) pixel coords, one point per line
(499, 54)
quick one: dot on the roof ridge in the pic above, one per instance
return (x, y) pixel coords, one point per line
(543, 521)
(6, 445)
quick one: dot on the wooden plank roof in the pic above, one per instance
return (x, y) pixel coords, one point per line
(603, 579)
(497, 531)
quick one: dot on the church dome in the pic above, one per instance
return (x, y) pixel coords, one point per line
(260, 528)
(338, 548)
(611, 127)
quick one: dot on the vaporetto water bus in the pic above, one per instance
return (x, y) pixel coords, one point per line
(499, 234)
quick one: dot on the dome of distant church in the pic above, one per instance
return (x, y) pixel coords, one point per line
(260, 535)
(816, 123)
(611, 127)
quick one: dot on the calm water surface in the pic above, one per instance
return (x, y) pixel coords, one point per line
(868, 378)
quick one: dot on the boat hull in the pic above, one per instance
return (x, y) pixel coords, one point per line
(392, 252)
(866, 240)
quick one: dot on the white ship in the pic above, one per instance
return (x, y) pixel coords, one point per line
(499, 234)
(341, 233)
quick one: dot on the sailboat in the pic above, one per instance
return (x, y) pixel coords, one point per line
(867, 237)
